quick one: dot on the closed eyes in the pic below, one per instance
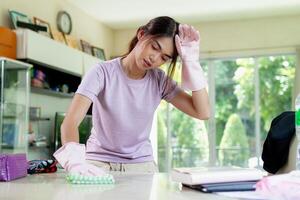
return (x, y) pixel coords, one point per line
(156, 46)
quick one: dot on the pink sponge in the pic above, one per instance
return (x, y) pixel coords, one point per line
(12, 166)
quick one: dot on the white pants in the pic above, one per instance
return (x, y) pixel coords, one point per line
(144, 167)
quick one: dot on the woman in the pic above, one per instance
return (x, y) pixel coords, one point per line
(125, 93)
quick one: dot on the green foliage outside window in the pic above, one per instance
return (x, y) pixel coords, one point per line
(235, 111)
(234, 147)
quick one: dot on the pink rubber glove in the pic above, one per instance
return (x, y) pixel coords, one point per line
(71, 156)
(187, 44)
(283, 186)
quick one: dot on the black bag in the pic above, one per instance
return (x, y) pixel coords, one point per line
(277, 144)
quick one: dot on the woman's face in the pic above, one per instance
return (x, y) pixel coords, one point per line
(153, 52)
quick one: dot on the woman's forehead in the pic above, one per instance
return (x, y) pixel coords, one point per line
(166, 44)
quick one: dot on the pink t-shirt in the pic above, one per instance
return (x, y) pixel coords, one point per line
(123, 110)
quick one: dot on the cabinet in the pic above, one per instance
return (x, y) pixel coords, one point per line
(55, 80)
(36, 47)
(14, 111)
(61, 64)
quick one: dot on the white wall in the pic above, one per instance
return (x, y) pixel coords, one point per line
(231, 37)
(238, 38)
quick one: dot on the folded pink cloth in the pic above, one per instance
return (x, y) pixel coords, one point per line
(285, 186)
(12, 166)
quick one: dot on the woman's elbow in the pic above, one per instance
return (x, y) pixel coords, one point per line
(204, 116)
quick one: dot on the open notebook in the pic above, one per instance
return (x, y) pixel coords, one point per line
(205, 175)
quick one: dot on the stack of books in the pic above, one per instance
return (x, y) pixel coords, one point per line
(218, 179)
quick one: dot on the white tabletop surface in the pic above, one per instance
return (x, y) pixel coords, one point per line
(128, 186)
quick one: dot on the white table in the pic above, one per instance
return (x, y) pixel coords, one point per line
(128, 186)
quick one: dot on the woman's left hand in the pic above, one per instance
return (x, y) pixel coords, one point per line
(187, 43)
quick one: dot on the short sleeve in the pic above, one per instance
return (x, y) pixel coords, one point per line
(167, 86)
(92, 83)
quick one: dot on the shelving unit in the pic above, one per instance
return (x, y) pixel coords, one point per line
(60, 63)
(47, 52)
(55, 77)
(36, 47)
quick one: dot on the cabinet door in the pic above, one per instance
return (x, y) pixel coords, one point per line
(14, 103)
(31, 45)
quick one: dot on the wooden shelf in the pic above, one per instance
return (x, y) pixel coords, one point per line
(51, 92)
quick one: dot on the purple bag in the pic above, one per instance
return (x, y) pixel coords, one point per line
(13, 166)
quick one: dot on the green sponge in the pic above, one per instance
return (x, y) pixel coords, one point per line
(80, 179)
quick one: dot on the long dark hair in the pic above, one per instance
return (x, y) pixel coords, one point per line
(163, 26)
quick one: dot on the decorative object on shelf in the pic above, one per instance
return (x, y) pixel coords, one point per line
(41, 22)
(58, 36)
(71, 41)
(41, 141)
(30, 26)
(86, 47)
(99, 53)
(65, 88)
(39, 74)
(39, 79)
(36, 83)
(20, 20)
(8, 43)
(64, 22)
(56, 88)
(46, 85)
(17, 16)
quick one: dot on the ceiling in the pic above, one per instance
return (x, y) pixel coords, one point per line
(122, 14)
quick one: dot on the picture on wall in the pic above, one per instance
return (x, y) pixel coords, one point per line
(17, 16)
(99, 53)
(86, 47)
(58, 36)
(71, 41)
(41, 22)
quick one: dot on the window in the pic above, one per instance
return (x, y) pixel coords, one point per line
(246, 90)
(233, 116)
